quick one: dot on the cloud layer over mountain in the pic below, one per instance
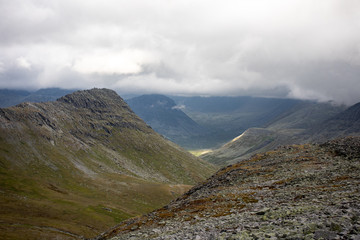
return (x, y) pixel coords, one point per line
(295, 48)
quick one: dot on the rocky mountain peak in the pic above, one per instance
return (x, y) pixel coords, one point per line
(95, 99)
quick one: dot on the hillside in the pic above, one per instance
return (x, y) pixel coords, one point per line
(297, 125)
(162, 114)
(253, 140)
(77, 166)
(295, 192)
(305, 116)
(343, 124)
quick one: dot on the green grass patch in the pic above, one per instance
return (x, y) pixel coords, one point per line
(199, 152)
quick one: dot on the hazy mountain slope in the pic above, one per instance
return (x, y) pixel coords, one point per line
(82, 164)
(253, 140)
(295, 192)
(47, 94)
(227, 117)
(343, 124)
(234, 112)
(161, 113)
(288, 128)
(13, 97)
(305, 115)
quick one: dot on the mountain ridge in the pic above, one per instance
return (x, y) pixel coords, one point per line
(83, 163)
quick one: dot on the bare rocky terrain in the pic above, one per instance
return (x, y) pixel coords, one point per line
(308, 191)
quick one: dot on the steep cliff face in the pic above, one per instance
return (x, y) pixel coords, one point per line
(83, 163)
(295, 192)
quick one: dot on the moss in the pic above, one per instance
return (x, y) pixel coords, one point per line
(335, 227)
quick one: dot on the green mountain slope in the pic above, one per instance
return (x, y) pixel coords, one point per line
(76, 166)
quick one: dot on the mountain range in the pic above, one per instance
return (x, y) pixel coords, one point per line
(76, 166)
(209, 122)
(13, 97)
(206, 122)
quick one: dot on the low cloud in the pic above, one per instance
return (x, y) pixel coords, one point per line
(180, 107)
(125, 62)
(23, 63)
(296, 48)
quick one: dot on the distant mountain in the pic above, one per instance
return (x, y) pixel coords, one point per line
(297, 125)
(229, 113)
(13, 97)
(210, 122)
(305, 115)
(74, 167)
(294, 192)
(346, 123)
(253, 140)
(227, 117)
(166, 118)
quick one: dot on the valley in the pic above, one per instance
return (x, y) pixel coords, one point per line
(75, 167)
(180, 120)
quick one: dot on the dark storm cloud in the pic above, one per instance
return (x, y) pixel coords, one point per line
(296, 48)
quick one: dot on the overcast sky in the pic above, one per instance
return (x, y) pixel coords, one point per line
(283, 48)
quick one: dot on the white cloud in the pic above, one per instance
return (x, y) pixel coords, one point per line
(128, 61)
(23, 63)
(2, 67)
(262, 47)
(180, 107)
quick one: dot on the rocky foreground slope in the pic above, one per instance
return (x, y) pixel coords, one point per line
(77, 166)
(295, 192)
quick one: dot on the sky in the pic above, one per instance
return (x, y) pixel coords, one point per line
(273, 48)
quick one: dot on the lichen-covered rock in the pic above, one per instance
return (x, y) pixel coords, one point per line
(294, 192)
